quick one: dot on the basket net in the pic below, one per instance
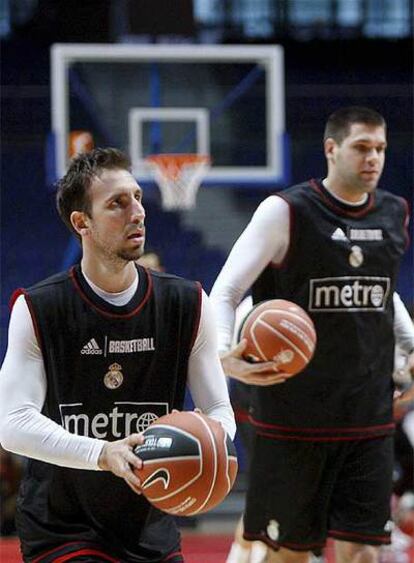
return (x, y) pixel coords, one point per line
(178, 177)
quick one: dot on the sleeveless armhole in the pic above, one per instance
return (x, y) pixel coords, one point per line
(15, 295)
(198, 316)
(285, 260)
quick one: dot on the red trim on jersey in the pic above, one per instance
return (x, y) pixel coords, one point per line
(103, 311)
(358, 213)
(288, 437)
(301, 546)
(320, 430)
(32, 314)
(285, 259)
(172, 555)
(16, 293)
(39, 558)
(197, 320)
(68, 556)
(353, 535)
(241, 415)
(87, 551)
(80, 552)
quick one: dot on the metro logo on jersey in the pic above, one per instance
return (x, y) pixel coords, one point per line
(123, 419)
(349, 293)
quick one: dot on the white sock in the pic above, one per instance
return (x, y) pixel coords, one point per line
(238, 554)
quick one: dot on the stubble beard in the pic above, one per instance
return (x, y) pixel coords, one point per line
(116, 255)
(130, 255)
(120, 256)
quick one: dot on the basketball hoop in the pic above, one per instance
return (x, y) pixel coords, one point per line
(178, 177)
(79, 141)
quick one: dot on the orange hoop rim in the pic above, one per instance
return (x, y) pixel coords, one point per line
(170, 163)
(178, 177)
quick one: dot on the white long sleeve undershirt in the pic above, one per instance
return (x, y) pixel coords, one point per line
(403, 326)
(25, 431)
(266, 239)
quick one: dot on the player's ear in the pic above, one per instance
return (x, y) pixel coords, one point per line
(329, 147)
(80, 222)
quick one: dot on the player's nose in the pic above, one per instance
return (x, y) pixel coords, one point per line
(373, 155)
(137, 211)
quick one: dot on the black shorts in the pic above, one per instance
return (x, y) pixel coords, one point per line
(302, 492)
(240, 394)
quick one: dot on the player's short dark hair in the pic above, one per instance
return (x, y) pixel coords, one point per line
(340, 121)
(72, 189)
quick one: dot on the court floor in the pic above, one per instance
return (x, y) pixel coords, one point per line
(203, 547)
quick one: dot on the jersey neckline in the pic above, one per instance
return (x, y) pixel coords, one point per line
(130, 309)
(341, 207)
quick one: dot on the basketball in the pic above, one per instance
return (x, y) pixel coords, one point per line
(280, 331)
(406, 523)
(189, 463)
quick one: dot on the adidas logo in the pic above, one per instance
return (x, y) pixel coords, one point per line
(339, 234)
(91, 347)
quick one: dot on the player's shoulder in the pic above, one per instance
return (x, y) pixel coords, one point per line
(166, 279)
(280, 202)
(175, 289)
(391, 205)
(43, 287)
(294, 188)
(297, 190)
(385, 196)
(54, 280)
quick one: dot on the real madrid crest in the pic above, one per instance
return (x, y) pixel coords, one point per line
(356, 257)
(113, 378)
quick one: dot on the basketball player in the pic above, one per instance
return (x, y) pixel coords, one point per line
(243, 551)
(322, 459)
(95, 354)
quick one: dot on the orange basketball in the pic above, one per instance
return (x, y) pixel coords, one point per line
(190, 463)
(281, 331)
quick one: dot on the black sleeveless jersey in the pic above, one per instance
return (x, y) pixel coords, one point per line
(110, 371)
(341, 267)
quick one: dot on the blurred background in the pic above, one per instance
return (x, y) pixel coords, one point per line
(260, 117)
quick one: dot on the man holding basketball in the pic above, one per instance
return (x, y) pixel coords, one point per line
(323, 453)
(94, 356)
